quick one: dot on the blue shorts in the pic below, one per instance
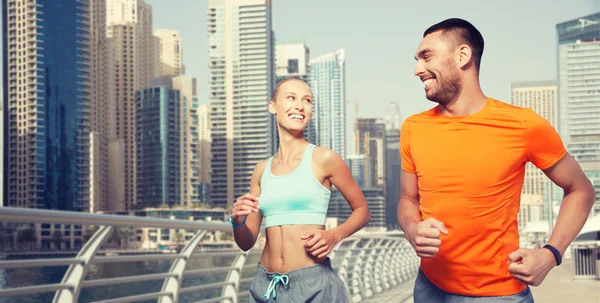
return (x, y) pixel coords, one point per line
(316, 283)
(427, 292)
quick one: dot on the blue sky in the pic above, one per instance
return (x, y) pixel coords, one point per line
(380, 41)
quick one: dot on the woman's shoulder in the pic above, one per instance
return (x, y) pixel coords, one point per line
(324, 154)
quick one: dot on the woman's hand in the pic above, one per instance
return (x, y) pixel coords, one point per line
(243, 206)
(320, 243)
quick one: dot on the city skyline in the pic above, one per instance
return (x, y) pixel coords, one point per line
(397, 44)
(373, 80)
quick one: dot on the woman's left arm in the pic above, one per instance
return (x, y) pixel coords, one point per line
(335, 169)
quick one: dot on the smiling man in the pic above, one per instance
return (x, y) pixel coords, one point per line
(463, 164)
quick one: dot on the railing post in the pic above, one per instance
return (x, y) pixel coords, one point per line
(343, 270)
(395, 261)
(376, 265)
(385, 264)
(231, 290)
(173, 284)
(77, 272)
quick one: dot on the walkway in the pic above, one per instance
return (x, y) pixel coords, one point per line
(558, 287)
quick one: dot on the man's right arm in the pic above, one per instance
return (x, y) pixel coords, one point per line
(424, 236)
(408, 206)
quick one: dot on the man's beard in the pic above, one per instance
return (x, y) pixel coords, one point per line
(446, 88)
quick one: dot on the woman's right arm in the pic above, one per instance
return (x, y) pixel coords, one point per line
(246, 208)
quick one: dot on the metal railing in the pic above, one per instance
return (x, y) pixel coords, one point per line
(586, 259)
(368, 264)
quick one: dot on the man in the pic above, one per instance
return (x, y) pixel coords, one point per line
(463, 164)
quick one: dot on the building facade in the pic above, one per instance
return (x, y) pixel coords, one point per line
(328, 83)
(47, 99)
(241, 79)
(158, 137)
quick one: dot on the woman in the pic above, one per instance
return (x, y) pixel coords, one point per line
(294, 190)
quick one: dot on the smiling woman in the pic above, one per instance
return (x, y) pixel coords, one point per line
(291, 191)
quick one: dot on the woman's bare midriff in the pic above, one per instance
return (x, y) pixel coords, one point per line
(285, 249)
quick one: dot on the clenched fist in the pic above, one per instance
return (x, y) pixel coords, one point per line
(243, 206)
(425, 237)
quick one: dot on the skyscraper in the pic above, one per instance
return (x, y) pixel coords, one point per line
(205, 152)
(190, 143)
(579, 93)
(393, 119)
(170, 52)
(1, 154)
(129, 27)
(328, 82)
(579, 88)
(102, 108)
(158, 125)
(392, 177)
(47, 93)
(541, 97)
(241, 79)
(372, 144)
(292, 60)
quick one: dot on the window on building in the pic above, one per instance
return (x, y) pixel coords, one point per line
(292, 66)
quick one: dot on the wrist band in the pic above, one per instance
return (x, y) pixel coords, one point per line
(555, 252)
(236, 225)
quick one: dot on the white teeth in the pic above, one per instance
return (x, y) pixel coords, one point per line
(428, 82)
(296, 117)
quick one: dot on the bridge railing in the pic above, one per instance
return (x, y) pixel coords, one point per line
(369, 264)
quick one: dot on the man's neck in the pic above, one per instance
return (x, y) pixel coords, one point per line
(470, 101)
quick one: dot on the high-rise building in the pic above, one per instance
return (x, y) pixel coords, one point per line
(129, 25)
(102, 109)
(356, 164)
(339, 208)
(170, 52)
(241, 79)
(48, 94)
(328, 83)
(393, 119)
(1, 154)
(372, 143)
(204, 152)
(579, 88)
(292, 59)
(189, 138)
(579, 93)
(159, 151)
(120, 12)
(541, 97)
(392, 177)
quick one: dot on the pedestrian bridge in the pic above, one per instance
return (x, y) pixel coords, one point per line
(375, 267)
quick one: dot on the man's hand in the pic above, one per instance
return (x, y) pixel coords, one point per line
(531, 266)
(425, 237)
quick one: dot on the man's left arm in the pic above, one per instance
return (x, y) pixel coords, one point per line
(578, 200)
(546, 151)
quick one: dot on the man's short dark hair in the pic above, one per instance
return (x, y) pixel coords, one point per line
(461, 32)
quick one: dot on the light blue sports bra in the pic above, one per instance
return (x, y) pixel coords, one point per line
(295, 198)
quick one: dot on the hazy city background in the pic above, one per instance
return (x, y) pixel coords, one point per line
(158, 109)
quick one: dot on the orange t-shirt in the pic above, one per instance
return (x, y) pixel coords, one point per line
(470, 174)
